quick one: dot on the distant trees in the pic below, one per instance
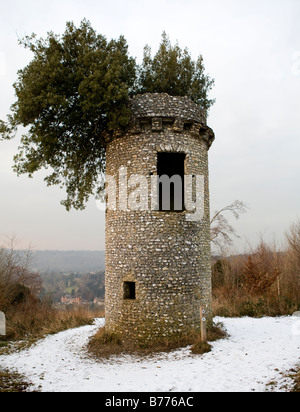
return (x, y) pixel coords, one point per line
(76, 91)
(87, 286)
(92, 286)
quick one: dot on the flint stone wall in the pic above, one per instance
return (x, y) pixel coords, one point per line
(166, 256)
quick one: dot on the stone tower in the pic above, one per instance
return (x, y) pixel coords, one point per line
(158, 268)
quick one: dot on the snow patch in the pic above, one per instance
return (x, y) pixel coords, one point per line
(257, 352)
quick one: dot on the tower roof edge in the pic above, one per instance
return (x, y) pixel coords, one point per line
(165, 105)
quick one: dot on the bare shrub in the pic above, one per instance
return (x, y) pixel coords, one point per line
(263, 282)
(292, 262)
(17, 282)
(221, 231)
(261, 270)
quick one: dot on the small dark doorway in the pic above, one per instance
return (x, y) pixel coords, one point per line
(171, 165)
(129, 291)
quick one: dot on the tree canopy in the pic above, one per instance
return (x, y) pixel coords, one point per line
(76, 91)
(173, 71)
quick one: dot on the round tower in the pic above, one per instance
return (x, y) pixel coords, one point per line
(158, 267)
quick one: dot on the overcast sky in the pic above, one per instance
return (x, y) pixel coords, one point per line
(250, 47)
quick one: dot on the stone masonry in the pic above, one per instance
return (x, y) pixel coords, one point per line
(158, 268)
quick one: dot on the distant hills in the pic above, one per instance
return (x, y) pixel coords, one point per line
(55, 261)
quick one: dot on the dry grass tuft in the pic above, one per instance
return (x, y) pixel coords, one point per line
(11, 382)
(38, 321)
(104, 344)
(296, 388)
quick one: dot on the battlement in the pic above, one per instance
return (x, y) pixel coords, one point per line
(163, 105)
(158, 112)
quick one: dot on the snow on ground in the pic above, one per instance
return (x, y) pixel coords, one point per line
(255, 354)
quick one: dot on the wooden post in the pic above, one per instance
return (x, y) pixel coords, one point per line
(203, 325)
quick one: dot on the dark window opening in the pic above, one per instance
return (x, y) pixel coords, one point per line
(170, 170)
(188, 126)
(129, 291)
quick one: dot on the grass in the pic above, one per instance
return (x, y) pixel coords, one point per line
(296, 388)
(35, 323)
(104, 344)
(235, 303)
(215, 332)
(293, 375)
(13, 382)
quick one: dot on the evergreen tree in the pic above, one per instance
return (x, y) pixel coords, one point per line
(173, 71)
(76, 91)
